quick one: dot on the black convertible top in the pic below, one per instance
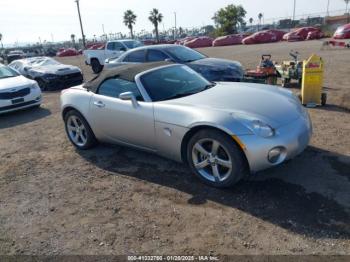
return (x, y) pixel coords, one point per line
(126, 72)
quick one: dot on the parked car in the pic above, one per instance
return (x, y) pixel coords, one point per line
(16, 91)
(199, 42)
(235, 39)
(49, 73)
(343, 32)
(68, 52)
(300, 34)
(223, 131)
(213, 69)
(113, 49)
(266, 36)
(15, 55)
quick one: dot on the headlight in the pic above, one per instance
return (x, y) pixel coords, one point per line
(258, 127)
(34, 86)
(262, 129)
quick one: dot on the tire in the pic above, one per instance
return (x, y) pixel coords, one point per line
(286, 82)
(82, 138)
(324, 99)
(228, 160)
(43, 86)
(96, 66)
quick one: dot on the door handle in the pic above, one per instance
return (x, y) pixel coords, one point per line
(99, 104)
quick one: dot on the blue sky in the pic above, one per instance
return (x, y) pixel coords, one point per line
(27, 20)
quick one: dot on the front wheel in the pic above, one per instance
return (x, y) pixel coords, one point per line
(42, 84)
(216, 159)
(79, 131)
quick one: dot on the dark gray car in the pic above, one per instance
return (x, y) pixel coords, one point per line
(213, 69)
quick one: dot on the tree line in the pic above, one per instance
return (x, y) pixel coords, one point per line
(227, 20)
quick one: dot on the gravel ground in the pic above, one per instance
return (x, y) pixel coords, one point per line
(115, 200)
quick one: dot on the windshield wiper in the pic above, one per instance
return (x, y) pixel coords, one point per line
(182, 95)
(6, 77)
(211, 85)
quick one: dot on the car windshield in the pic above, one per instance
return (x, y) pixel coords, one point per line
(132, 44)
(185, 54)
(173, 82)
(6, 72)
(44, 62)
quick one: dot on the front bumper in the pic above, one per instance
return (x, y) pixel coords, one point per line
(64, 81)
(33, 99)
(293, 138)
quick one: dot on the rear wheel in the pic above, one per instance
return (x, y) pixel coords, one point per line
(216, 159)
(286, 82)
(96, 66)
(79, 131)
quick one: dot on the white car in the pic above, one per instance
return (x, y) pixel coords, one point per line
(16, 91)
(113, 49)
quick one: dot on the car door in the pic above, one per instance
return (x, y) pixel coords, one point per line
(117, 120)
(111, 50)
(120, 48)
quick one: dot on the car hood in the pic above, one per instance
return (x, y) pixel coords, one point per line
(8, 84)
(218, 65)
(56, 69)
(273, 105)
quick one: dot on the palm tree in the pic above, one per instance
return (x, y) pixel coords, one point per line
(251, 20)
(155, 18)
(347, 5)
(72, 36)
(260, 16)
(347, 9)
(130, 20)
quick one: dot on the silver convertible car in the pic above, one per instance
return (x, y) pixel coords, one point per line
(223, 131)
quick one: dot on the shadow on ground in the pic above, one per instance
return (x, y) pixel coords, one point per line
(287, 205)
(22, 117)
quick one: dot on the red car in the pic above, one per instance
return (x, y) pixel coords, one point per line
(68, 52)
(184, 40)
(203, 41)
(266, 36)
(315, 35)
(300, 34)
(229, 40)
(343, 32)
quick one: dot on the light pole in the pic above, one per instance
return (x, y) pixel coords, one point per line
(328, 7)
(294, 11)
(175, 27)
(81, 24)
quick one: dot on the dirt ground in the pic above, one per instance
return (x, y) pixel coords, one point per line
(115, 200)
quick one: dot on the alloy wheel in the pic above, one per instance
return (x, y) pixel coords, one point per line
(77, 130)
(212, 160)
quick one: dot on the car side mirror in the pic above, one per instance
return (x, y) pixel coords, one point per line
(129, 96)
(169, 60)
(123, 49)
(26, 69)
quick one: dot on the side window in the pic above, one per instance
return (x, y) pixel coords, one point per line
(155, 56)
(119, 47)
(113, 87)
(136, 57)
(111, 46)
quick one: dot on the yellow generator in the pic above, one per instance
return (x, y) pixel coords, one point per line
(312, 82)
